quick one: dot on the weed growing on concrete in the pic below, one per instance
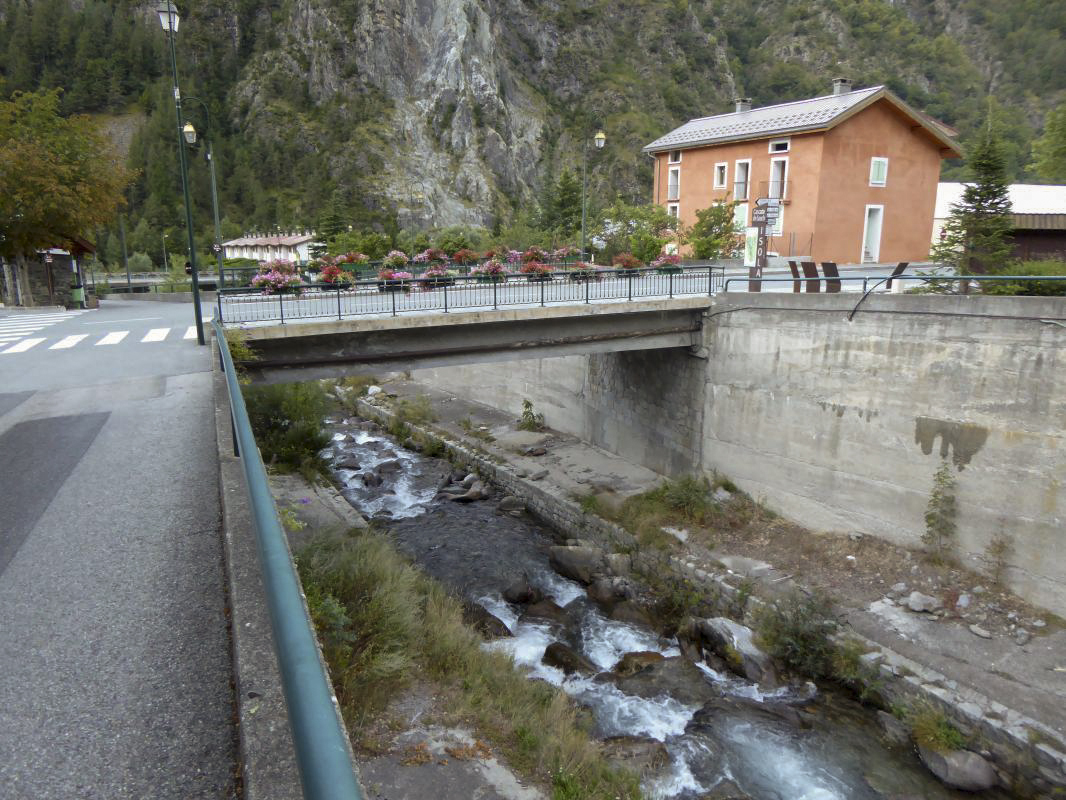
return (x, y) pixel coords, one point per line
(287, 421)
(590, 504)
(847, 667)
(940, 526)
(675, 599)
(356, 385)
(382, 623)
(289, 521)
(477, 433)
(416, 410)
(241, 352)
(796, 631)
(997, 556)
(530, 420)
(932, 730)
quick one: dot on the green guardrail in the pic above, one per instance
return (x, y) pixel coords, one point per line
(326, 770)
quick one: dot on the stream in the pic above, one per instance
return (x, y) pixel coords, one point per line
(718, 735)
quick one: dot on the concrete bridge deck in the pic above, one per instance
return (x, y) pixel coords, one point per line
(309, 350)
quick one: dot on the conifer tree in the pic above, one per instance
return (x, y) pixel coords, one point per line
(1049, 151)
(975, 238)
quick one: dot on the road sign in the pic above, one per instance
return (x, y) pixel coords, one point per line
(769, 202)
(217, 248)
(758, 216)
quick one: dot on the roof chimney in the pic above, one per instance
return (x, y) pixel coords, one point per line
(841, 85)
(743, 104)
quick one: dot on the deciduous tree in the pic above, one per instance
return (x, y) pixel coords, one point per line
(59, 177)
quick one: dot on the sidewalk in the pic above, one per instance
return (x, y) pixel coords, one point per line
(115, 673)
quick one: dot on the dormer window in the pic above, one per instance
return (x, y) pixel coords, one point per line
(675, 156)
(779, 145)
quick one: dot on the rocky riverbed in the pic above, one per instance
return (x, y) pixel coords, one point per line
(696, 725)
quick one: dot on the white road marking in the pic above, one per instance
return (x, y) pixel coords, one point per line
(22, 346)
(113, 338)
(156, 335)
(190, 333)
(68, 341)
(117, 321)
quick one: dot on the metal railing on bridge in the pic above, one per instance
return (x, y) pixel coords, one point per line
(454, 293)
(322, 755)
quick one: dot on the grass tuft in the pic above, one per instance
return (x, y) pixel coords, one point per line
(287, 421)
(382, 623)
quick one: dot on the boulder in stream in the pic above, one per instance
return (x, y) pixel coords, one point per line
(630, 611)
(347, 461)
(582, 564)
(390, 467)
(676, 676)
(608, 591)
(484, 621)
(477, 491)
(734, 707)
(960, 769)
(549, 610)
(632, 663)
(641, 754)
(521, 591)
(734, 643)
(511, 505)
(567, 659)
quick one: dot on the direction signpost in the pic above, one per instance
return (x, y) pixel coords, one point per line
(765, 214)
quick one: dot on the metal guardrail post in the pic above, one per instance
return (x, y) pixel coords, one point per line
(219, 315)
(671, 284)
(445, 297)
(629, 282)
(392, 296)
(326, 771)
(281, 307)
(588, 280)
(339, 315)
(495, 307)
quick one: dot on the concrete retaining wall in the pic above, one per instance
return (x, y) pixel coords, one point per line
(840, 425)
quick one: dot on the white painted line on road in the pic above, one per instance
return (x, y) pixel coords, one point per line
(190, 333)
(113, 338)
(117, 321)
(156, 335)
(23, 346)
(68, 341)
(21, 326)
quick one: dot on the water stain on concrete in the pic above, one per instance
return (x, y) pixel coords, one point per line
(962, 439)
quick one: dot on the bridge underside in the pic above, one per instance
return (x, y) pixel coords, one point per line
(297, 352)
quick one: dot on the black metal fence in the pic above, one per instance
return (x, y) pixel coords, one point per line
(445, 294)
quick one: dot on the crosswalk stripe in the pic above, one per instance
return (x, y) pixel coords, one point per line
(113, 338)
(190, 333)
(22, 346)
(156, 335)
(22, 327)
(69, 341)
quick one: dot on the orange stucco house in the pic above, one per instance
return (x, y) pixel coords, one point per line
(856, 172)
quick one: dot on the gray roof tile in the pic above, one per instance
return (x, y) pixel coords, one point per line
(767, 121)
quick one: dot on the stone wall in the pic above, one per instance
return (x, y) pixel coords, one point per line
(841, 425)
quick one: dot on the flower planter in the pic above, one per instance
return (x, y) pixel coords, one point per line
(490, 278)
(584, 275)
(540, 278)
(672, 270)
(394, 286)
(436, 282)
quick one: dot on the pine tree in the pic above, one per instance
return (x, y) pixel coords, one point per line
(1049, 151)
(975, 238)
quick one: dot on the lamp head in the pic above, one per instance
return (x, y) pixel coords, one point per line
(600, 138)
(189, 132)
(168, 16)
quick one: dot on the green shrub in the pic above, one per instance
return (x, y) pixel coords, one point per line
(1049, 267)
(940, 525)
(933, 730)
(287, 421)
(530, 420)
(796, 631)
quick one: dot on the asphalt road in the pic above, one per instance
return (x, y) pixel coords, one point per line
(114, 650)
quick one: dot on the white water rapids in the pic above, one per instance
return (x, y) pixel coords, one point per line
(838, 758)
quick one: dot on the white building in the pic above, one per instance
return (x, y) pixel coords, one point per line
(1025, 198)
(284, 246)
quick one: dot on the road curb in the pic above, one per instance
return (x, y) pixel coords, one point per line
(266, 751)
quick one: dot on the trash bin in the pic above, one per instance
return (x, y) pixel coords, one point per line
(77, 294)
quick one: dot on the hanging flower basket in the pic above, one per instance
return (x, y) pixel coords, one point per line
(492, 271)
(536, 272)
(394, 281)
(667, 265)
(583, 273)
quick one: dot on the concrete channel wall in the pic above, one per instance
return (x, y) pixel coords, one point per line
(840, 425)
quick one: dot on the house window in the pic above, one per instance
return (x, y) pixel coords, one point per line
(721, 173)
(878, 171)
(673, 210)
(675, 156)
(779, 145)
(778, 178)
(740, 179)
(740, 216)
(674, 184)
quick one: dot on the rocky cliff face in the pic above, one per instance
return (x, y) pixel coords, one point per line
(473, 99)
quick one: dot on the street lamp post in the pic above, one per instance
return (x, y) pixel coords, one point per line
(190, 136)
(168, 18)
(600, 138)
